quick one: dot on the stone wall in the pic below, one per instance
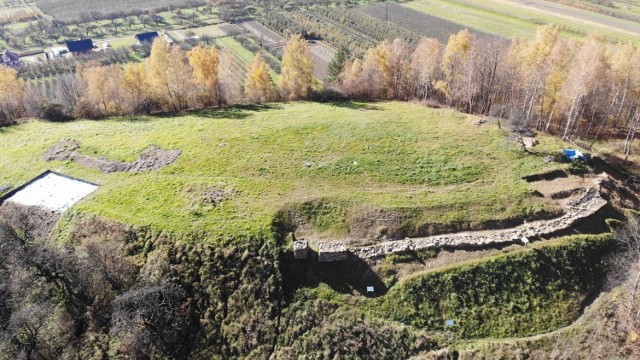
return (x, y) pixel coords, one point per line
(587, 205)
(300, 249)
(329, 252)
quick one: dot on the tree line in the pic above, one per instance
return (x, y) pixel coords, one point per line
(573, 88)
(171, 80)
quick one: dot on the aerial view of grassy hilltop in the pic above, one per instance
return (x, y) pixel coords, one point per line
(439, 179)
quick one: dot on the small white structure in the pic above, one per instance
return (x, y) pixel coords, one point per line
(524, 240)
(52, 191)
(370, 290)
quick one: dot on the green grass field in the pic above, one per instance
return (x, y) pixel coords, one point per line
(384, 155)
(509, 20)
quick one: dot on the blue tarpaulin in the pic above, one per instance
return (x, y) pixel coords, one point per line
(575, 155)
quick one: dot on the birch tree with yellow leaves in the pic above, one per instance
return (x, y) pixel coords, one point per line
(296, 74)
(11, 92)
(258, 87)
(205, 65)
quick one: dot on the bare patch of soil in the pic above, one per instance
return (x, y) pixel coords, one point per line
(559, 186)
(61, 151)
(150, 159)
(210, 196)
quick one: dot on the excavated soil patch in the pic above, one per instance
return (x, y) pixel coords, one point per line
(546, 176)
(150, 159)
(561, 187)
(212, 196)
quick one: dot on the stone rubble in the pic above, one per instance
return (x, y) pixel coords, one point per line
(582, 208)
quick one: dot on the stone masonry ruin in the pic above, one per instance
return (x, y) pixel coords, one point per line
(589, 203)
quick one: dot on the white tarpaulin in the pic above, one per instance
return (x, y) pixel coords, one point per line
(53, 192)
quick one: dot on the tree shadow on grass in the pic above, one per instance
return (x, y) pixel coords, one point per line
(346, 277)
(236, 112)
(355, 105)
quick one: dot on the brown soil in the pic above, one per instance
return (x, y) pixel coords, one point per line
(210, 196)
(152, 158)
(444, 258)
(562, 190)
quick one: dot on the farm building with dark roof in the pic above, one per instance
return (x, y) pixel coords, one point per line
(147, 37)
(8, 58)
(80, 46)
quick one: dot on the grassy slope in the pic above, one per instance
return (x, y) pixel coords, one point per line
(382, 155)
(534, 290)
(509, 20)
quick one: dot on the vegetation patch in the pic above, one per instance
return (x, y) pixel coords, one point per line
(517, 294)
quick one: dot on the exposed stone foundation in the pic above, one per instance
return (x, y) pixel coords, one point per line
(582, 208)
(300, 249)
(329, 252)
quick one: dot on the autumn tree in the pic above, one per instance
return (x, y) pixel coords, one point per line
(258, 87)
(296, 71)
(104, 96)
(170, 75)
(351, 84)
(424, 66)
(11, 92)
(136, 84)
(588, 71)
(156, 65)
(205, 64)
(454, 65)
(377, 74)
(399, 65)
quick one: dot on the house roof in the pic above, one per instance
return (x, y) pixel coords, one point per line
(147, 37)
(80, 45)
(7, 57)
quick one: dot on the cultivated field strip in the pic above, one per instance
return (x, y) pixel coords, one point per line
(69, 10)
(322, 55)
(413, 20)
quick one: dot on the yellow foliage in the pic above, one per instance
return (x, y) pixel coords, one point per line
(456, 50)
(259, 87)
(205, 65)
(296, 71)
(10, 84)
